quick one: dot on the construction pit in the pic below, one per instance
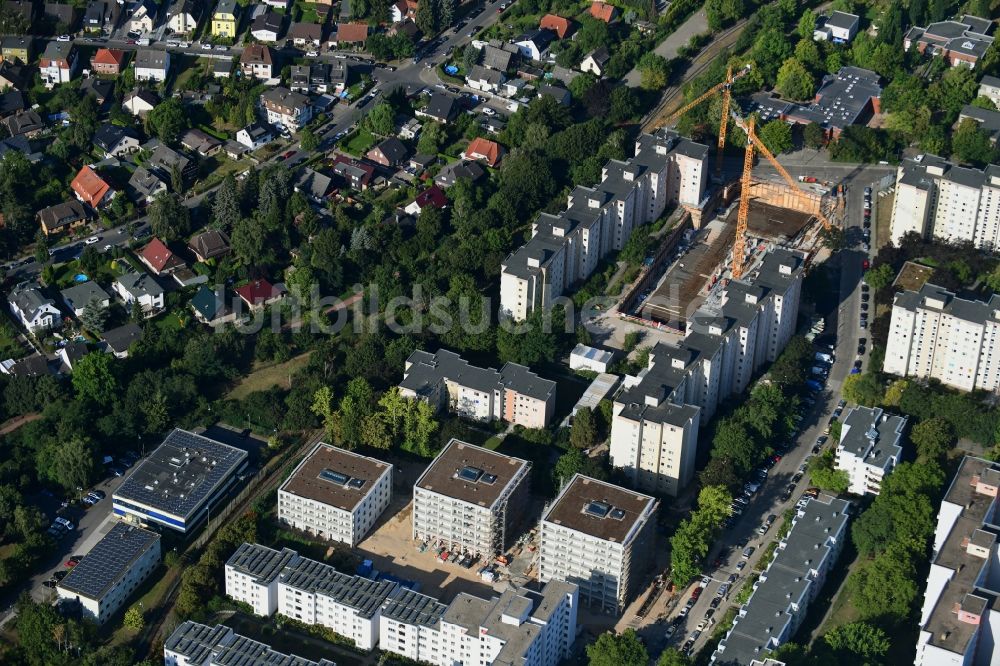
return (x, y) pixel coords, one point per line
(777, 217)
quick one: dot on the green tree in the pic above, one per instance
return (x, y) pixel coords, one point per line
(824, 475)
(655, 71)
(169, 218)
(794, 81)
(248, 242)
(427, 18)
(41, 247)
(859, 638)
(529, 342)
(419, 428)
(73, 463)
(94, 316)
(972, 145)
(807, 53)
(575, 461)
(806, 25)
(432, 137)
(813, 135)
(932, 438)
(381, 119)
(134, 618)
(624, 104)
(470, 57)
(94, 379)
(167, 120)
(612, 649)
(863, 389)
(673, 657)
(880, 277)
(777, 136)
(308, 140)
(583, 432)
(884, 588)
(226, 206)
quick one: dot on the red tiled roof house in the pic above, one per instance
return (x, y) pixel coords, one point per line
(557, 24)
(485, 150)
(159, 259)
(259, 294)
(602, 11)
(91, 189)
(108, 61)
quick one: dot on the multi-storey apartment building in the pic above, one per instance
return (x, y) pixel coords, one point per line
(521, 626)
(935, 334)
(937, 199)
(514, 394)
(599, 537)
(252, 575)
(959, 617)
(335, 494)
(654, 432)
(469, 499)
(193, 644)
(565, 249)
(288, 109)
(782, 594)
(869, 448)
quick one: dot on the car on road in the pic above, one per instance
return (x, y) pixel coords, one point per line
(221, 47)
(787, 493)
(49, 583)
(795, 479)
(688, 645)
(89, 501)
(312, 54)
(741, 565)
(705, 580)
(696, 593)
(487, 111)
(669, 633)
(92, 240)
(701, 625)
(206, 47)
(289, 155)
(865, 264)
(99, 494)
(64, 38)
(59, 575)
(73, 561)
(868, 191)
(117, 471)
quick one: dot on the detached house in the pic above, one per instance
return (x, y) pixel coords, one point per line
(24, 123)
(534, 43)
(108, 62)
(839, 28)
(485, 80)
(557, 24)
(267, 26)
(596, 61)
(432, 196)
(79, 296)
(66, 216)
(140, 102)
(402, 10)
(115, 140)
(91, 189)
(602, 11)
(100, 16)
(151, 65)
(145, 185)
(58, 63)
(484, 150)
(441, 108)
(16, 48)
(259, 294)
(389, 153)
(257, 62)
(356, 174)
(158, 258)
(30, 306)
(351, 34)
(140, 290)
(255, 136)
(288, 109)
(306, 35)
(210, 244)
(225, 19)
(183, 16)
(200, 142)
(143, 19)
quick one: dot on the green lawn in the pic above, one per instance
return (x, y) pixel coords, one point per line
(359, 143)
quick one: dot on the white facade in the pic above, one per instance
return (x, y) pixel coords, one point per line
(869, 448)
(182, 22)
(255, 136)
(473, 515)
(287, 109)
(566, 248)
(152, 65)
(937, 199)
(590, 358)
(35, 312)
(520, 626)
(604, 555)
(989, 87)
(252, 576)
(654, 432)
(934, 334)
(112, 571)
(335, 494)
(193, 644)
(150, 300)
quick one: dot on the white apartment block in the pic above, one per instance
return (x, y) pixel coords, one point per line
(285, 108)
(600, 537)
(934, 334)
(252, 576)
(514, 394)
(654, 431)
(469, 499)
(781, 596)
(335, 494)
(937, 199)
(194, 644)
(112, 571)
(565, 249)
(959, 621)
(870, 448)
(521, 626)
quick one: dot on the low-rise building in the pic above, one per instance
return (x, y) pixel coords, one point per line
(17, 48)
(58, 63)
(838, 27)
(83, 295)
(108, 62)
(989, 87)
(226, 19)
(159, 258)
(599, 537)
(259, 294)
(113, 569)
(257, 62)
(484, 150)
(63, 217)
(306, 35)
(140, 102)
(390, 152)
(145, 185)
(447, 381)
(870, 447)
(24, 123)
(350, 35)
(485, 80)
(335, 494)
(534, 43)
(961, 42)
(285, 108)
(115, 140)
(144, 16)
(181, 481)
(33, 309)
(590, 358)
(210, 244)
(118, 341)
(152, 65)
(266, 27)
(139, 290)
(469, 499)
(440, 108)
(193, 644)
(255, 136)
(781, 597)
(200, 142)
(91, 189)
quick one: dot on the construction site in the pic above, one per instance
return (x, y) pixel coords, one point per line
(727, 236)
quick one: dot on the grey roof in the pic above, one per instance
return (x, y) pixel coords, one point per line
(842, 20)
(181, 473)
(494, 474)
(146, 183)
(227, 7)
(413, 608)
(29, 299)
(394, 150)
(364, 595)
(593, 353)
(56, 50)
(23, 122)
(540, 37)
(440, 106)
(62, 214)
(140, 284)
(201, 644)
(600, 55)
(109, 561)
(480, 73)
(427, 371)
(988, 121)
(79, 295)
(164, 158)
(261, 563)
(786, 581)
(121, 338)
(873, 435)
(12, 102)
(990, 81)
(108, 136)
(842, 99)
(456, 170)
(313, 183)
(269, 21)
(521, 379)
(929, 297)
(497, 58)
(151, 59)
(101, 89)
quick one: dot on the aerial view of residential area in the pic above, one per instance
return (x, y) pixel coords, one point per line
(499, 332)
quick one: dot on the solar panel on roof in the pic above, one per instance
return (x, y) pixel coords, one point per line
(471, 474)
(598, 509)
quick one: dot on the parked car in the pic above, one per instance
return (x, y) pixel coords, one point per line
(741, 565)
(64, 522)
(747, 552)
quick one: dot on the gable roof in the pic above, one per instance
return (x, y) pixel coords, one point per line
(432, 196)
(146, 183)
(308, 31)
(62, 214)
(89, 186)
(210, 244)
(490, 150)
(440, 106)
(256, 54)
(458, 170)
(352, 32)
(496, 58)
(100, 89)
(158, 256)
(257, 292)
(121, 338)
(600, 56)
(269, 21)
(480, 73)
(108, 57)
(602, 11)
(208, 302)
(108, 136)
(393, 149)
(313, 183)
(12, 102)
(540, 38)
(151, 59)
(557, 24)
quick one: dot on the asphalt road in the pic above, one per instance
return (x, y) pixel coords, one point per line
(843, 320)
